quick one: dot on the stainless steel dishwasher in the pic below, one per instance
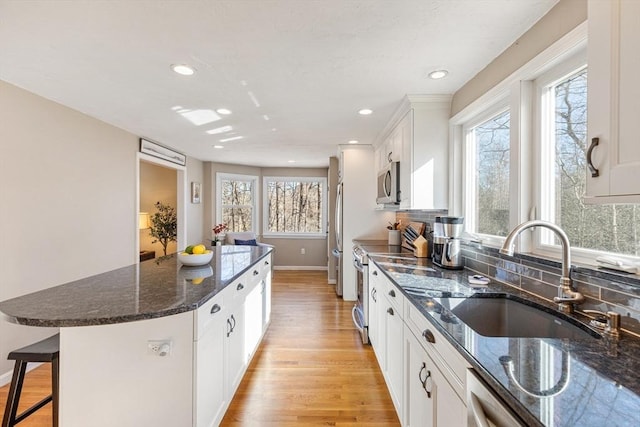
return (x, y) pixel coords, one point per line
(484, 408)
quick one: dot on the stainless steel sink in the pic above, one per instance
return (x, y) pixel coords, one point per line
(503, 317)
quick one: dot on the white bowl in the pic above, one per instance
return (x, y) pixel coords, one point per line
(195, 259)
(197, 272)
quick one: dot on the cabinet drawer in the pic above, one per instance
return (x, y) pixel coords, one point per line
(395, 298)
(453, 365)
(209, 312)
(240, 288)
(266, 264)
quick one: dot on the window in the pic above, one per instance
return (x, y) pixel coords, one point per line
(295, 206)
(236, 201)
(610, 228)
(487, 176)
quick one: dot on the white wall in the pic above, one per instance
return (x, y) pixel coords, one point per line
(67, 201)
(562, 18)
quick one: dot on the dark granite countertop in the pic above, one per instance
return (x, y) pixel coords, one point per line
(562, 382)
(153, 288)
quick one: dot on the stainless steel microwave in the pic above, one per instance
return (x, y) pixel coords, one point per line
(389, 184)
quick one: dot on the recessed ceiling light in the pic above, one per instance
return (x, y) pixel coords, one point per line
(223, 111)
(218, 146)
(222, 129)
(438, 74)
(353, 141)
(265, 117)
(291, 161)
(234, 138)
(183, 69)
(365, 112)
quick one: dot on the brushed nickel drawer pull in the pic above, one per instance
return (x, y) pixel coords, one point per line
(215, 308)
(428, 335)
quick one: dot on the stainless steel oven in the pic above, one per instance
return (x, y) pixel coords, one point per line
(360, 311)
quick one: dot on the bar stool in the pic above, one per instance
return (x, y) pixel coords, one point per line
(47, 350)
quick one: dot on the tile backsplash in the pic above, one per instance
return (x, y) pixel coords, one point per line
(604, 290)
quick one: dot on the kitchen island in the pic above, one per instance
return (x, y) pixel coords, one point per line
(584, 380)
(155, 343)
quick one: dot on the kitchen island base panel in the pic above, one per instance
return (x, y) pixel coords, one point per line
(109, 376)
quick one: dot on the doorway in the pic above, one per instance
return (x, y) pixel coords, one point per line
(159, 181)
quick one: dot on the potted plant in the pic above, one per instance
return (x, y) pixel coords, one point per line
(164, 225)
(217, 230)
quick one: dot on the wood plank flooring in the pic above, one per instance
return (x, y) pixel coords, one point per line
(310, 370)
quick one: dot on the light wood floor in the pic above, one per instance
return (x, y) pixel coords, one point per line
(311, 368)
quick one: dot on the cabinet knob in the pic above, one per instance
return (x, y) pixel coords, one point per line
(215, 308)
(255, 272)
(392, 293)
(266, 263)
(375, 272)
(240, 286)
(428, 335)
(390, 310)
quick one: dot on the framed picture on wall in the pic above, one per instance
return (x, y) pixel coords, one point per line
(195, 192)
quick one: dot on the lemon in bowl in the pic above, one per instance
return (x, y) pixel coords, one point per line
(199, 255)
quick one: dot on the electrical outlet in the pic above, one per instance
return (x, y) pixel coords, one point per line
(302, 251)
(160, 348)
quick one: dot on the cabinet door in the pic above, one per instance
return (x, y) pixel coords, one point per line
(431, 400)
(405, 148)
(614, 98)
(253, 320)
(266, 292)
(421, 390)
(394, 345)
(234, 349)
(210, 401)
(373, 308)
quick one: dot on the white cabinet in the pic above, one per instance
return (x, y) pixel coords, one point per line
(431, 400)
(425, 374)
(374, 307)
(390, 341)
(394, 357)
(234, 350)
(418, 136)
(210, 397)
(360, 217)
(614, 101)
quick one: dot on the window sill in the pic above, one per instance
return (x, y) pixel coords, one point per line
(294, 236)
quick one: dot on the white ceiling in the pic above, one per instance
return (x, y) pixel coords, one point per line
(306, 65)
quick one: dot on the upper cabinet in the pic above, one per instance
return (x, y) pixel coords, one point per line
(417, 136)
(614, 101)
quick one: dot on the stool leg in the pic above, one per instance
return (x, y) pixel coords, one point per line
(13, 399)
(55, 387)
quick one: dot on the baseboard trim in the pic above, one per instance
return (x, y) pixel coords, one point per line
(300, 267)
(6, 377)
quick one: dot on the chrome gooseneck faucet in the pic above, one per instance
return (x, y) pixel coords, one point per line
(567, 297)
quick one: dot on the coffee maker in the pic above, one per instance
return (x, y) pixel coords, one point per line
(446, 242)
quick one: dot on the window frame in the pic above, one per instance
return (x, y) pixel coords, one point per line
(265, 207)
(496, 108)
(220, 176)
(544, 171)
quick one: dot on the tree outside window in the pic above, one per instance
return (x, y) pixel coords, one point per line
(236, 198)
(611, 228)
(295, 205)
(489, 142)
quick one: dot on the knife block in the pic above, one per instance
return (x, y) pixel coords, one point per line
(422, 248)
